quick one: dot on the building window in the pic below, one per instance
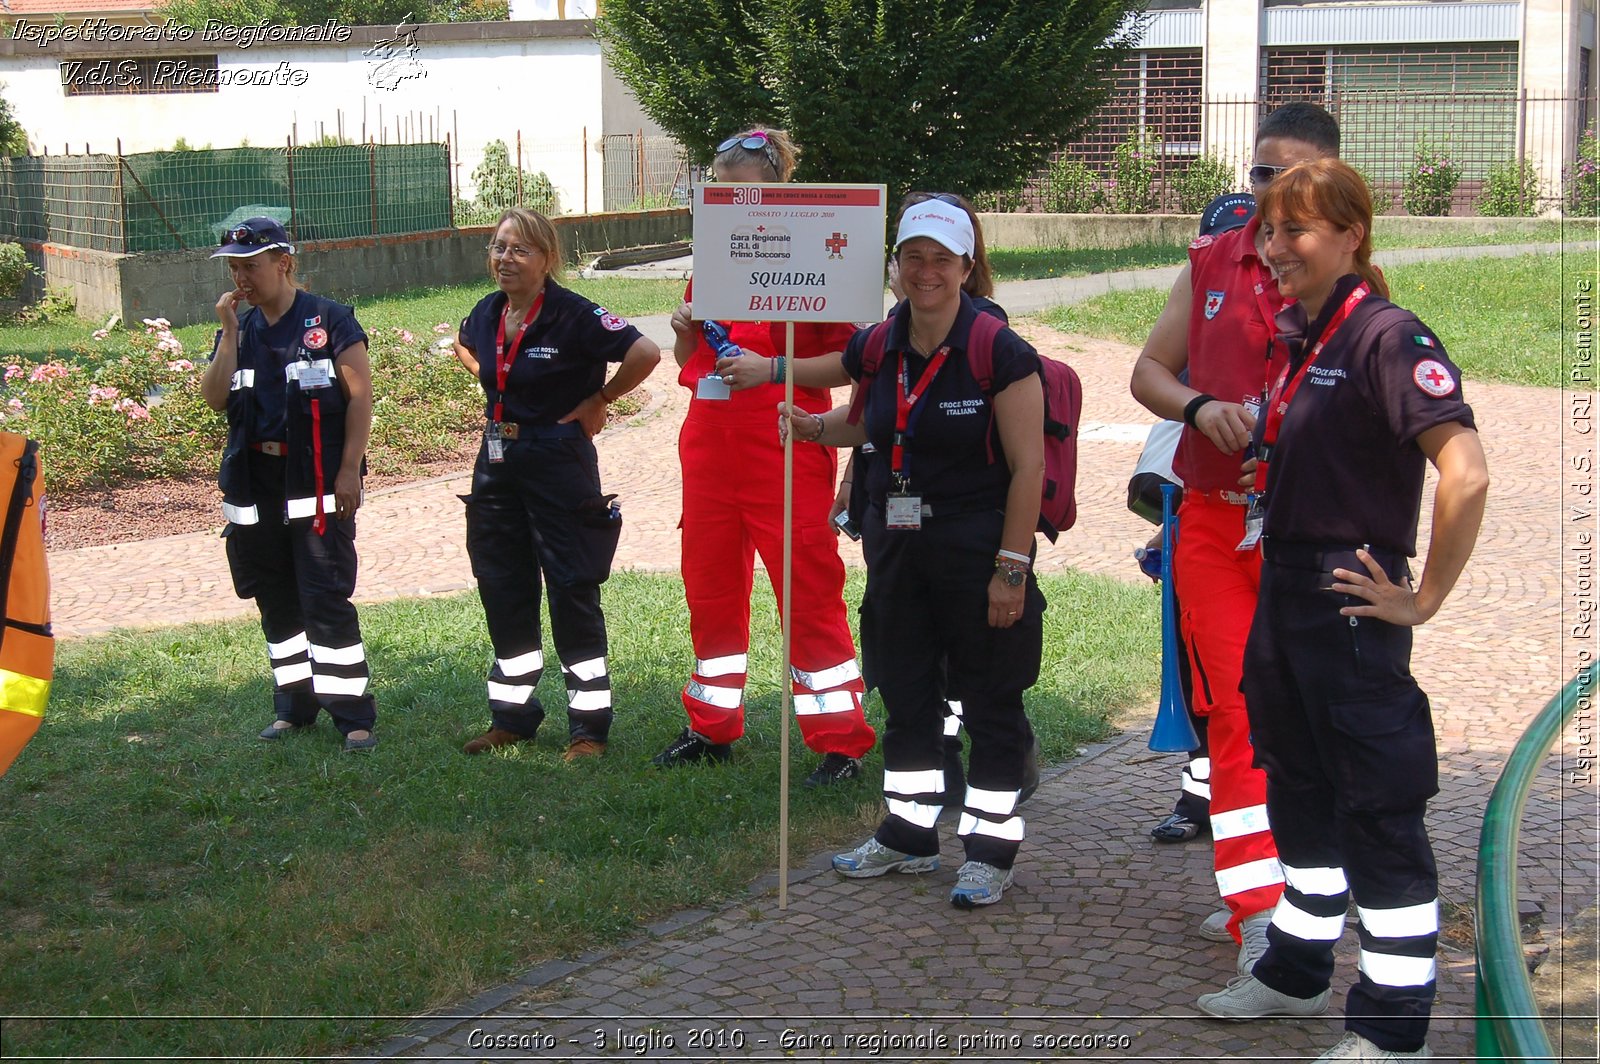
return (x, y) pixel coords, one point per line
(1157, 92)
(139, 76)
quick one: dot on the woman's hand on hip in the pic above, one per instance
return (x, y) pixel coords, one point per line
(1006, 603)
(1387, 600)
(589, 414)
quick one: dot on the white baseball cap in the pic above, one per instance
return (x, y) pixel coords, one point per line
(939, 221)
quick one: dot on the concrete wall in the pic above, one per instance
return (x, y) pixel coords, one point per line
(183, 286)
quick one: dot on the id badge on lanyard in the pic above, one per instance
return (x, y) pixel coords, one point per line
(504, 355)
(902, 510)
(1278, 399)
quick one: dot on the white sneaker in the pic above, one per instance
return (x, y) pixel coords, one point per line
(980, 884)
(1215, 927)
(1254, 933)
(1353, 1047)
(872, 858)
(1247, 998)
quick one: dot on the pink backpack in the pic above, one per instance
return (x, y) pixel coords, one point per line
(1063, 405)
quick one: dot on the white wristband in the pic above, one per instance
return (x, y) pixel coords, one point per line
(1014, 556)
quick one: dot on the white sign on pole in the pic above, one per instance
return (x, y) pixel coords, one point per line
(789, 252)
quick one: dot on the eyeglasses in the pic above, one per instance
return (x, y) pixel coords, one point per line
(1261, 173)
(755, 140)
(498, 250)
(913, 198)
(245, 236)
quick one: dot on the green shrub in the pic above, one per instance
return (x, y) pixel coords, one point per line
(1382, 198)
(1133, 186)
(15, 269)
(127, 408)
(1583, 181)
(496, 180)
(1510, 190)
(424, 402)
(1202, 181)
(1006, 201)
(1070, 187)
(1431, 183)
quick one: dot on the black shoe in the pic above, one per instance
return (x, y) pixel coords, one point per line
(1175, 828)
(835, 768)
(688, 748)
(1030, 770)
(272, 731)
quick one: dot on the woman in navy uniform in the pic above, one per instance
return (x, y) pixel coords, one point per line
(292, 374)
(540, 352)
(1368, 398)
(948, 539)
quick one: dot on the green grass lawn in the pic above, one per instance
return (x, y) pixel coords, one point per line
(417, 310)
(1024, 264)
(162, 861)
(1500, 319)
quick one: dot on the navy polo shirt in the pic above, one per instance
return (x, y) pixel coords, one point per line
(947, 454)
(1346, 469)
(562, 360)
(311, 328)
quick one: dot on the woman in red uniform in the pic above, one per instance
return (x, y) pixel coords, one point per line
(733, 507)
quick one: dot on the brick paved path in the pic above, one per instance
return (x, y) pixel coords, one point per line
(1096, 936)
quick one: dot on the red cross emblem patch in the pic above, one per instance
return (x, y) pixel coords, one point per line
(314, 339)
(1431, 376)
(1213, 303)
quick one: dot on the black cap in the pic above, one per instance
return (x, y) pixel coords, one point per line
(1227, 212)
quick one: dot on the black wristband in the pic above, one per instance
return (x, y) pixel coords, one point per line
(1194, 408)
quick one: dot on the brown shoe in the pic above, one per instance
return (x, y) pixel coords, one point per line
(493, 739)
(584, 747)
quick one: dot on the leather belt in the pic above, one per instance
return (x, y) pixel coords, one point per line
(512, 430)
(272, 447)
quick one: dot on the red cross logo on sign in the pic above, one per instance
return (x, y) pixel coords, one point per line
(1433, 378)
(836, 245)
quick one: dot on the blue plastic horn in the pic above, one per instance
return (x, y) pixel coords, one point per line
(1173, 732)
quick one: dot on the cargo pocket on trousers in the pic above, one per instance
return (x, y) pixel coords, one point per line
(600, 528)
(1386, 760)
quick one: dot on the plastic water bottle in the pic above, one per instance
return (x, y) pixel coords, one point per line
(1149, 559)
(719, 340)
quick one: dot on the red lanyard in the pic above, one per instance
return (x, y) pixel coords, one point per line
(1284, 391)
(504, 356)
(905, 398)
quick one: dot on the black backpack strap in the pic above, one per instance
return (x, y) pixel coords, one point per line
(21, 499)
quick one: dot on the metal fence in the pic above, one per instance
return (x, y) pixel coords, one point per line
(173, 200)
(1142, 151)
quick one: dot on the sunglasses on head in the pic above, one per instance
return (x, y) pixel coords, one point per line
(1261, 173)
(245, 236)
(755, 140)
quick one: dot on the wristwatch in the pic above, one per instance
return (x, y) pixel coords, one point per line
(1013, 574)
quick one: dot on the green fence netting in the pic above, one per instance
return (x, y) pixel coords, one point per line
(173, 200)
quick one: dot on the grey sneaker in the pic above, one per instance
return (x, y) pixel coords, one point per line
(873, 858)
(1353, 1047)
(1254, 933)
(980, 884)
(1247, 998)
(1215, 926)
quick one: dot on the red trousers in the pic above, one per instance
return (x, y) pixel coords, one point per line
(732, 508)
(1217, 588)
